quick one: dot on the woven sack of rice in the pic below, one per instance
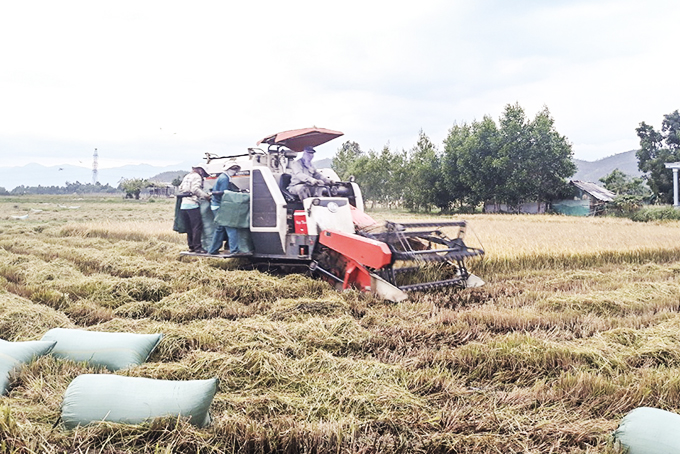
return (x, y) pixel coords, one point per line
(132, 400)
(113, 351)
(15, 354)
(646, 430)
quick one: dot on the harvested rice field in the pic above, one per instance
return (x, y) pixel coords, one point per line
(579, 323)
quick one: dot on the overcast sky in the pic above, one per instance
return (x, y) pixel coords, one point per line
(162, 82)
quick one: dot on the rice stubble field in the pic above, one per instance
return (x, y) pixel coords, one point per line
(578, 324)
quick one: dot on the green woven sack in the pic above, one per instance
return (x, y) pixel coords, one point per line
(178, 224)
(110, 350)
(132, 400)
(234, 210)
(14, 354)
(646, 430)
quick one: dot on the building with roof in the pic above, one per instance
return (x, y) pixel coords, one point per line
(522, 208)
(589, 200)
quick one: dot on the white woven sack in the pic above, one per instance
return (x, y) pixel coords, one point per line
(14, 354)
(132, 400)
(647, 430)
(111, 350)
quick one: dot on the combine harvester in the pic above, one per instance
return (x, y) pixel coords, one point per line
(331, 235)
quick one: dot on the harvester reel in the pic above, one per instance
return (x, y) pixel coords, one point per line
(418, 247)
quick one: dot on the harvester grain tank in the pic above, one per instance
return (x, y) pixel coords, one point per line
(332, 235)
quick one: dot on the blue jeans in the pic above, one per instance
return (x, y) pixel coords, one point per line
(222, 233)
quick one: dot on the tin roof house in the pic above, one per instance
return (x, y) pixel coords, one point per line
(589, 199)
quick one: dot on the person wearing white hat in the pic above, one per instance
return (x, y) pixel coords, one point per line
(192, 187)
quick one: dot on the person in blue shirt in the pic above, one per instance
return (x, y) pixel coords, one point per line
(222, 233)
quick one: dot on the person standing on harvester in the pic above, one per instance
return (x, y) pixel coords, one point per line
(305, 180)
(222, 232)
(192, 187)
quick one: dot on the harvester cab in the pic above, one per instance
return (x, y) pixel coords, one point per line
(331, 235)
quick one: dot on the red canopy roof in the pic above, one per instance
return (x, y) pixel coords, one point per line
(298, 139)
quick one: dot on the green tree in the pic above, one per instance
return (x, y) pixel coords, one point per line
(345, 158)
(133, 187)
(623, 184)
(513, 144)
(68, 188)
(549, 160)
(479, 164)
(630, 193)
(378, 176)
(533, 157)
(424, 185)
(657, 149)
(452, 163)
(515, 161)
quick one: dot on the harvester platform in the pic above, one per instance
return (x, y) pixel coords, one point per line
(221, 255)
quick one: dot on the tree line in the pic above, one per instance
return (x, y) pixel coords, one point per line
(132, 187)
(512, 161)
(68, 188)
(656, 149)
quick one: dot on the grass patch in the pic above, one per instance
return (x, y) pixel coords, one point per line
(656, 213)
(576, 326)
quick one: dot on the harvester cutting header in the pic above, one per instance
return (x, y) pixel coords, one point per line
(323, 227)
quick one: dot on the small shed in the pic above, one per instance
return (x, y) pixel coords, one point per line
(589, 200)
(159, 189)
(522, 208)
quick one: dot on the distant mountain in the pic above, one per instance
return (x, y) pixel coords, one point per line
(626, 162)
(36, 174)
(168, 177)
(323, 163)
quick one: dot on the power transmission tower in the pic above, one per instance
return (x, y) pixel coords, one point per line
(94, 167)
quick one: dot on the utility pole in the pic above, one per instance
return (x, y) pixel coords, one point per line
(94, 167)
